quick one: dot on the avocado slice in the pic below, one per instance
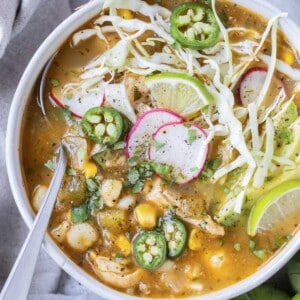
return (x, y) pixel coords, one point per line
(282, 120)
(291, 150)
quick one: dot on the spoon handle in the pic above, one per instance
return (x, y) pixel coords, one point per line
(19, 280)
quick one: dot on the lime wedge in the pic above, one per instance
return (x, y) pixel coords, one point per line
(274, 206)
(180, 93)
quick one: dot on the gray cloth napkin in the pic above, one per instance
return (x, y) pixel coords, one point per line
(24, 24)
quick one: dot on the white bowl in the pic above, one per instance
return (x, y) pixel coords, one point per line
(14, 168)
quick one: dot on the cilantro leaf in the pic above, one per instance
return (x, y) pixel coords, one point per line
(80, 213)
(50, 165)
(192, 136)
(157, 145)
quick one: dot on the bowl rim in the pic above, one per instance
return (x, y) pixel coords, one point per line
(15, 174)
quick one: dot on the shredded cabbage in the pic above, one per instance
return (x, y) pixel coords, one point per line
(262, 169)
(238, 162)
(282, 67)
(243, 67)
(245, 182)
(226, 38)
(271, 66)
(276, 103)
(138, 6)
(224, 102)
(86, 34)
(254, 126)
(254, 33)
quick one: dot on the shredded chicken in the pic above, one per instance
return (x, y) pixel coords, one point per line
(114, 273)
(166, 198)
(77, 150)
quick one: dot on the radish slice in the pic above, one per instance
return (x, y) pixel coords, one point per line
(184, 149)
(142, 131)
(252, 82)
(79, 103)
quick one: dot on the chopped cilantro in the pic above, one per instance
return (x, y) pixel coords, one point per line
(71, 172)
(237, 247)
(236, 191)
(91, 185)
(222, 242)
(214, 164)
(225, 189)
(62, 113)
(137, 188)
(207, 173)
(54, 82)
(50, 165)
(127, 234)
(252, 244)
(119, 145)
(280, 240)
(236, 171)
(261, 254)
(156, 144)
(132, 161)
(161, 169)
(194, 169)
(80, 213)
(69, 96)
(94, 199)
(192, 136)
(210, 168)
(140, 150)
(133, 176)
(142, 171)
(284, 136)
(119, 258)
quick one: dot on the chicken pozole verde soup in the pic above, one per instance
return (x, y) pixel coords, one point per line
(182, 129)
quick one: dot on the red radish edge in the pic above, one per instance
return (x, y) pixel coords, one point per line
(194, 125)
(58, 102)
(138, 121)
(246, 74)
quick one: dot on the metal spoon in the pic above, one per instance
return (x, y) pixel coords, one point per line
(40, 95)
(18, 282)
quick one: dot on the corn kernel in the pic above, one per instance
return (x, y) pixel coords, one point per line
(124, 244)
(196, 239)
(68, 216)
(90, 169)
(125, 14)
(146, 215)
(287, 56)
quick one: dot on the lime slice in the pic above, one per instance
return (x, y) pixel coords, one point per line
(274, 206)
(180, 93)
